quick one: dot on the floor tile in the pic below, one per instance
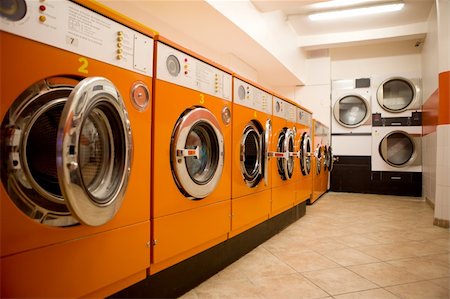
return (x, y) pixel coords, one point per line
(219, 289)
(349, 257)
(442, 282)
(384, 274)
(419, 290)
(369, 294)
(293, 286)
(306, 261)
(386, 252)
(423, 267)
(356, 240)
(339, 281)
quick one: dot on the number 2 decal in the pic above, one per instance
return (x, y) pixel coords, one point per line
(84, 65)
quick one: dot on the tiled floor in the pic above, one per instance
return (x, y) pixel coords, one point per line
(346, 246)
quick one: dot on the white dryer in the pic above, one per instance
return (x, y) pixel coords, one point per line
(351, 106)
(351, 124)
(397, 95)
(397, 149)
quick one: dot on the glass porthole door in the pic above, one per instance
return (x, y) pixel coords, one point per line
(398, 149)
(197, 152)
(396, 94)
(68, 149)
(305, 154)
(351, 111)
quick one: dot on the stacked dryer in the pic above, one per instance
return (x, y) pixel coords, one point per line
(351, 131)
(396, 135)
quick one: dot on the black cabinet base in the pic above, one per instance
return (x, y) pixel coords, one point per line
(397, 183)
(182, 277)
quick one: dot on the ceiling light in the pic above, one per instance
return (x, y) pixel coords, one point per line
(356, 12)
(338, 3)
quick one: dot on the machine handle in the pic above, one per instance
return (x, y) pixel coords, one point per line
(188, 152)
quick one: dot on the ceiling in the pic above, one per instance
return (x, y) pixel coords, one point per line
(408, 23)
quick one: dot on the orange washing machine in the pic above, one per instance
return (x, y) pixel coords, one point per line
(191, 186)
(282, 149)
(75, 141)
(251, 183)
(305, 152)
(320, 175)
(328, 159)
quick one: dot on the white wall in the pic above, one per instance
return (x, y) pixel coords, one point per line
(375, 60)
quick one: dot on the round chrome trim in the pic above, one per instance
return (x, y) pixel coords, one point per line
(267, 137)
(380, 94)
(96, 206)
(190, 118)
(330, 163)
(142, 91)
(290, 142)
(383, 149)
(251, 130)
(318, 156)
(336, 111)
(305, 154)
(34, 200)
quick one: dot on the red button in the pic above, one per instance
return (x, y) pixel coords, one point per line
(42, 8)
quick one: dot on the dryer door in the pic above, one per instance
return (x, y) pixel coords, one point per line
(197, 153)
(396, 94)
(398, 149)
(305, 154)
(68, 151)
(351, 111)
(251, 153)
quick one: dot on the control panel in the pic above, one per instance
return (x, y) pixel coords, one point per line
(291, 112)
(252, 97)
(177, 67)
(279, 107)
(304, 117)
(72, 27)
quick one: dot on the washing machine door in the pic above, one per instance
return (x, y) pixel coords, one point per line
(266, 154)
(251, 153)
(68, 150)
(398, 149)
(330, 159)
(285, 153)
(318, 156)
(351, 111)
(197, 153)
(305, 154)
(396, 94)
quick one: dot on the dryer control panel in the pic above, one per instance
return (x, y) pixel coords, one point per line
(72, 27)
(252, 97)
(177, 67)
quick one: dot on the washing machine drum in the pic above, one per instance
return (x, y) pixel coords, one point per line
(67, 149)
(305, 154)
(351, 111)
(197, 153)
(396, 94)
(285, 145)
(398, 149)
